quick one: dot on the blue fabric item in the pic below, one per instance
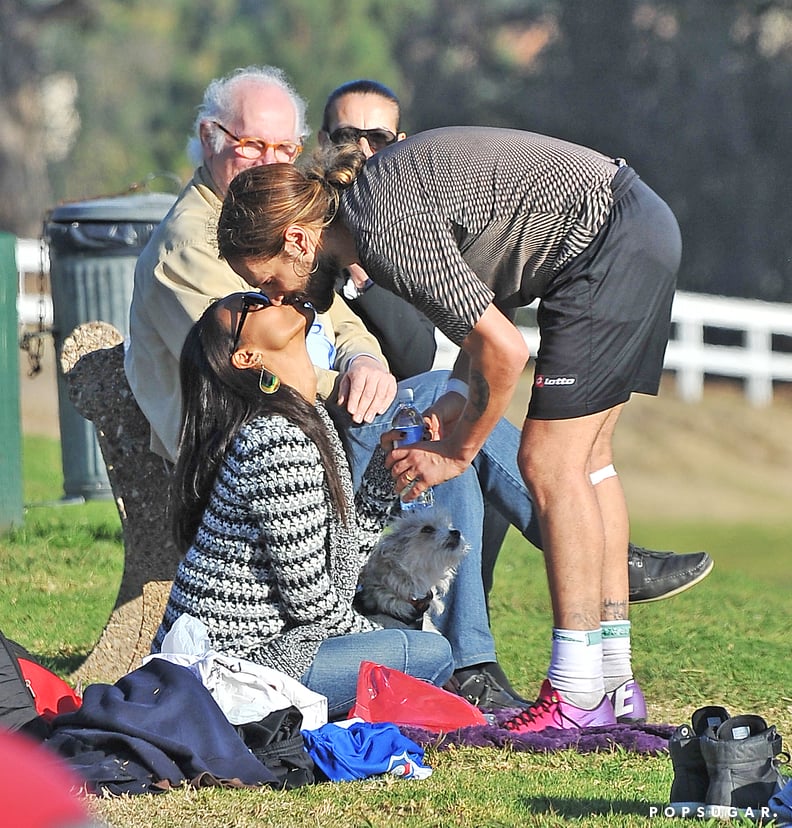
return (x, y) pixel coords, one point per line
(364, 749)
(780, 805)
(156, 723)
(321, 350)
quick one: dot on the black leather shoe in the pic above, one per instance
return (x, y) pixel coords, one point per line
(658, 575)
(481, 686)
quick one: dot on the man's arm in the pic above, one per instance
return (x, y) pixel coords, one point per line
(186, 282)
(365, 386)
(169, 295)
(497, 355)
(351, 337)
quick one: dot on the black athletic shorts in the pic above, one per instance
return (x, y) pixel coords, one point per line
(604, 320)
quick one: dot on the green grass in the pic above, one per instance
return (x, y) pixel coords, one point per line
(60, 571)
(725, 642)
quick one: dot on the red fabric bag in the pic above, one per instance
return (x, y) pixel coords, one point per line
(387, 695)
(51, 694)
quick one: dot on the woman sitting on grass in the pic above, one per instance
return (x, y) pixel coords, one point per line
(264, 510)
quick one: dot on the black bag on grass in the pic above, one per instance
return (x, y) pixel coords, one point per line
(17, 706)
(30, 694)
(276, 741)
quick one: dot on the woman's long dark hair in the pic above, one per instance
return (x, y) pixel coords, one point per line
(217, 400)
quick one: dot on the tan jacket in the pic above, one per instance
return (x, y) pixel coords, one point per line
(178, 273)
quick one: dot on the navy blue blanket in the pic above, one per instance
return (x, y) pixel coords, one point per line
(156, 727)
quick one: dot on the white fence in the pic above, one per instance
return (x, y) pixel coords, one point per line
(32, 257)
(756, 358)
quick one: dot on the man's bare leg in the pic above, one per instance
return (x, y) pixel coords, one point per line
(567, 464)
(556, 460)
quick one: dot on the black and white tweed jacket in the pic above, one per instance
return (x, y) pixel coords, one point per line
(272, 570)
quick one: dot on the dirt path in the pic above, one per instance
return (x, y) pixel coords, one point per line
(39, 394)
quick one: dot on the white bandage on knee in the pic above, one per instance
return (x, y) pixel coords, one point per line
(602, 474)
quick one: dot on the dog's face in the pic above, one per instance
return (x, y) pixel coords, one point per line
(423, 539)
(414, 559)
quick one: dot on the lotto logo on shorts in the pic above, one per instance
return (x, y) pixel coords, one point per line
(542, 381)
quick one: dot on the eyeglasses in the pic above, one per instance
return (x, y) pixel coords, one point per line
(255, 148)
(377, 138)
(251, 299)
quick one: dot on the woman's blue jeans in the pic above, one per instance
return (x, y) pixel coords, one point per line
(424, 655)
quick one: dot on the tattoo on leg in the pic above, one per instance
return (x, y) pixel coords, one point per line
(614, 610)
(478, 396)
(585, 621)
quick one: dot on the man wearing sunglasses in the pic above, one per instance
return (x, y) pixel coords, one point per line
(366, 113)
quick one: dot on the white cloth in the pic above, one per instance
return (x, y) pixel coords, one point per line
(244, 691)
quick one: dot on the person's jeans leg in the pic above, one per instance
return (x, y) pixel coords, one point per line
(334, 671)
(501, 481)
(463, 619)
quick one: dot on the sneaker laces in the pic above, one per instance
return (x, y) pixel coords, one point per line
(541, 706)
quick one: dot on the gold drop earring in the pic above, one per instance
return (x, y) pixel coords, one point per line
(269, 383)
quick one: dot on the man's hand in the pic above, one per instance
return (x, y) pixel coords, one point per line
(441, 417)
(423, 462)
(366, 389)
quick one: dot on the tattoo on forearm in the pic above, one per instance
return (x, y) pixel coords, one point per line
(478, 396)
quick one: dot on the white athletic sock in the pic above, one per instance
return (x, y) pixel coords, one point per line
(576, 666)
(616, 653)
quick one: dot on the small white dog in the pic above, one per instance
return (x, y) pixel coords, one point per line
(410, 568)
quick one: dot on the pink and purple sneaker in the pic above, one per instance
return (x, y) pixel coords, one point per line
(629, 705)
(551, 710)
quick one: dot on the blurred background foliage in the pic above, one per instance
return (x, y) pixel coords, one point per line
(696, 94)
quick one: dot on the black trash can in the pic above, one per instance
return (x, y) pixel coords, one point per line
(93, 248)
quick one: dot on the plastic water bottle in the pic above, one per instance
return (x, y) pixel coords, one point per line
(409, 420)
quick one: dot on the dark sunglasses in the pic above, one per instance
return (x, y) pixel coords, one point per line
(377, 138)
(251, 299)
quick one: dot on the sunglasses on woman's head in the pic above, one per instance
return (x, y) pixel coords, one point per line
(249, 300)
(377, 138)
